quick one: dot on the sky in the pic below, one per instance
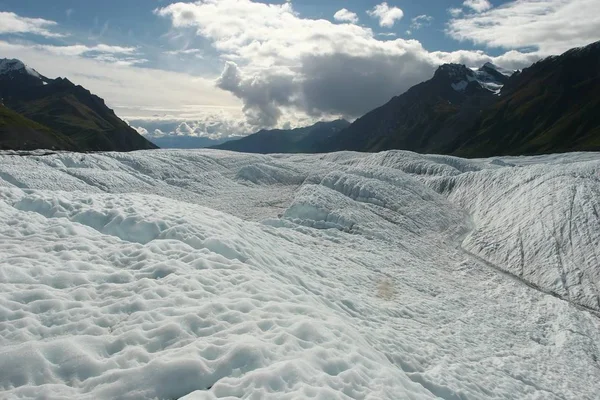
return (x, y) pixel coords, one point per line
(220, 68)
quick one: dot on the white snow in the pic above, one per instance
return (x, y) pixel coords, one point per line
(11, 65)
(483, 78)
(209, 274)
(488, 82)
(492, 86)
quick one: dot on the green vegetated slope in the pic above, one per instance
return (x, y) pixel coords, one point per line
(20, 133)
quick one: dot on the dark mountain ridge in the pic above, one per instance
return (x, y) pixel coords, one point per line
(71, 112)
(552, 106)
(428, 116)
(300, 140)
(184, 142)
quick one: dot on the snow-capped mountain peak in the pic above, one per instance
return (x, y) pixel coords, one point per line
(493, 67)
(453, 71)
(8, 66)
(489, 77)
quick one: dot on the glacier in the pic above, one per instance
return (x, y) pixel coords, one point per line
(205, 274)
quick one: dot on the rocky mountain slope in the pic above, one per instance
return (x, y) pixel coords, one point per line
(428, 116)
(59, 106)
(549, 107)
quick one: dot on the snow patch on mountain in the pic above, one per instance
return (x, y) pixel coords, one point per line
(8, 66)
(489, 76)
(488, 82)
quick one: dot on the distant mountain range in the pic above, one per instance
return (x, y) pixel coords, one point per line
(37, 112)
(552, 106)
(184, 142)
(301, 140)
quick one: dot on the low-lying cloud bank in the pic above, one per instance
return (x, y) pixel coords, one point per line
(213, 126)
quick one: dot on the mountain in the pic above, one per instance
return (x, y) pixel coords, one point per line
(550, 107)
(428, 116)
(184, 142)
(300, 140)
(77, 119)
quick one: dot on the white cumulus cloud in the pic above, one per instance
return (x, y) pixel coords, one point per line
(281, 69)
(455, 12)
(387, 15)
(345, 15)
(478, 5)
(12, 23)
(550, 26)
(214, 124)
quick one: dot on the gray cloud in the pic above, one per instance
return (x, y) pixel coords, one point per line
(351, 85)
(286, 65)
(326, 85)
(263, 95)
(343, 85)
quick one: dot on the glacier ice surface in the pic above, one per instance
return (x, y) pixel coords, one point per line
(207, 274)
